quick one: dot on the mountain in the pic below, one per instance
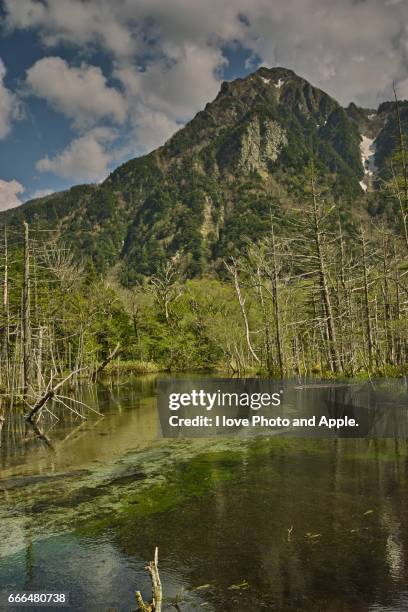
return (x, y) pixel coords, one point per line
(214, 183)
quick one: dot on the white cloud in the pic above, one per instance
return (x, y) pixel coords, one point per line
(162, 97)
(151, 129)
(72, 21)
(180, 89)
(9, 194)
(167, 57)
(181, 75)
(120, 26)
(9, 105)
(402, 89)
(85, 158)
(41, 193)
(82, 94)
(352, 49)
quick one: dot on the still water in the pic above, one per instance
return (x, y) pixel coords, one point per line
(265, 523)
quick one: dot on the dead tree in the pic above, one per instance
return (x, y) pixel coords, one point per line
(233, 270)
(367, 315)
(105, 362)
(276, 302)
(48, 394)
(265, 319)
(403, 202)
(323, 280)
(157, 591)
(26, 331)
(165, 290)
(6, 314)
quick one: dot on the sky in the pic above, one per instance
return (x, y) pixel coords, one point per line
(87, 84)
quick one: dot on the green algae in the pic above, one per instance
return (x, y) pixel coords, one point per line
(201, 474)
(161, 478)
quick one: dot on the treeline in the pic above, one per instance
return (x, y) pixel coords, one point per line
(325, 292)
(57, 317)
(328, 299)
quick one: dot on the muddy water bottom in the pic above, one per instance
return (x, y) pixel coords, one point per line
(265, 524)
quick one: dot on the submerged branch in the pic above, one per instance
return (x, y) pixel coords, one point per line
(48, 394)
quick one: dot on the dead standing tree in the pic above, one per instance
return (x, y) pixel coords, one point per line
(318, 235)
(367, 314)
(233, 270)
(25, 314)
(105, 362)
(6, 318)
(401, 197)
(276, 302)
(263, 265)
(157, 591)
(165, 289)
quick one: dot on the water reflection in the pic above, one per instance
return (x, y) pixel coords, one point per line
(129, 419)
(306, 530)
(288, 525)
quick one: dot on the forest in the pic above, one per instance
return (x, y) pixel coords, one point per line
(319, 295)
(320, 290)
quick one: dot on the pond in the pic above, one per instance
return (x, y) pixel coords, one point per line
(255, 523)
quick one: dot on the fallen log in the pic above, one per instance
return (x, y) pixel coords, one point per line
(48, 394)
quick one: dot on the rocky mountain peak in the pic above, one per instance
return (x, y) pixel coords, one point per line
(212, 185)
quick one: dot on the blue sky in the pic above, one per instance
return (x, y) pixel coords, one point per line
(85, 85)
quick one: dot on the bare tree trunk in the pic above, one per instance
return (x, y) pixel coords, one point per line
(404, 204)
(6, 314)
(265, 322)
(157, 591)
(40, 355)
(397, 310)
(105, 362)
(26, 315)
(276, 304)
(232, 269)
(367, 316)
(330, 327)
(49, 393)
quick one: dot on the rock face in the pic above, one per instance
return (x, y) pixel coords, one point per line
(259, 145)
(214, 183)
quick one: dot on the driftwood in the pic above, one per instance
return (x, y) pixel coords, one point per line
(105, 362)
(157, 593)
(47, 395)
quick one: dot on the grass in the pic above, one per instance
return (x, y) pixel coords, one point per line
(134, 366)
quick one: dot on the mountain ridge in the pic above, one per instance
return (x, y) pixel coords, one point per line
(214, 183)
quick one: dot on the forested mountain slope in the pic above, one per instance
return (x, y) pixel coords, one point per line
(216, 182)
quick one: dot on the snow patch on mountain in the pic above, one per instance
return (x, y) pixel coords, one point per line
(367, 149)
(265, 80)
(279, 84)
